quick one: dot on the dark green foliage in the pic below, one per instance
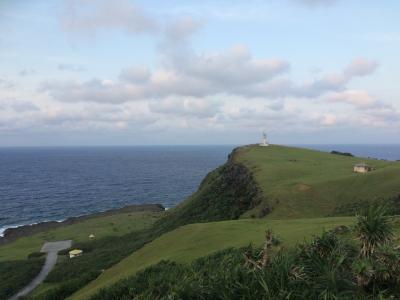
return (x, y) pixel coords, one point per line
(14, 275)
(373, 229)
(225, 194)
(392, 206)
(36, 255)
(72, 274)
(342, 153)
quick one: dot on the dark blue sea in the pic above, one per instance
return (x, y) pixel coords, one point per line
(42, 184)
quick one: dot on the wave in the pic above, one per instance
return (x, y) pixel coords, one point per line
(4, 228)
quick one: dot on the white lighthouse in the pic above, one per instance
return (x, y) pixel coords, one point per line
(264, 142)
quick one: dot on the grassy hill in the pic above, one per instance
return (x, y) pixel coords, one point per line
(196, 240)
(296, 182)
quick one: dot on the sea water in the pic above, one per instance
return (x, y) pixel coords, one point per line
(52, 184)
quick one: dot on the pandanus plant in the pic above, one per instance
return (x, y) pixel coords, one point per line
(373, 229)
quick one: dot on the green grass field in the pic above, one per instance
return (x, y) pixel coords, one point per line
(192, 241)
(116, 225)
(298, 182)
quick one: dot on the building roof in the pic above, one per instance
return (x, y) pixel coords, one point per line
(75, 251)
(362, 165)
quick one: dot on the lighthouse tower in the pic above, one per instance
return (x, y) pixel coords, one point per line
(264, 142)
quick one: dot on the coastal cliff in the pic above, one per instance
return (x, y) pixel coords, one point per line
(225, 194)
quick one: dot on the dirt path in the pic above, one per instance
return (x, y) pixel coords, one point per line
(52, 249)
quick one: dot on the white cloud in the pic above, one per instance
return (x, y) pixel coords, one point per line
(136, 74)
(91, 16)
(189, 107)
(360, 99)
(361, 67)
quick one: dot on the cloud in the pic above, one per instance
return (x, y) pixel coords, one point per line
(6, 84)
(328, 119)
(26, 72)
(17, 105)
(236, 66)
(91, 16)
(95, 90)
(360, 99)
(361, 67)
(200, 108)
(180, 30)
(335, 82)
(136, 74)
(71, 68)
(229, 72)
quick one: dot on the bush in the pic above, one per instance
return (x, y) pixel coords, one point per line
(14, 275)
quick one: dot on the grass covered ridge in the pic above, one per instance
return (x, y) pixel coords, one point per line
(301, 183)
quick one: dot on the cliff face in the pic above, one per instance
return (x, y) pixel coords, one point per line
(225, 194)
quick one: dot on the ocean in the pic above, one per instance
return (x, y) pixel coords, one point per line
(52, 184)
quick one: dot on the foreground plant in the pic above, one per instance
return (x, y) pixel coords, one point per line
(373, 229)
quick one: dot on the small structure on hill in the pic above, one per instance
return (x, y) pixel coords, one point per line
(362, 168)
(75, 253)
(91, 236)
(264, 141)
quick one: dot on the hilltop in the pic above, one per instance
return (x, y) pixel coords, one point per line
(283, 182)
(297, 182)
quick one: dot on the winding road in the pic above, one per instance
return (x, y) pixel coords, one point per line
(52, 249)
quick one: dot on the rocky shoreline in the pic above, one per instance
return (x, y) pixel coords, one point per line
(11, 234)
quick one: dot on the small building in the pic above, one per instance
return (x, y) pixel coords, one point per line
(75, 253)
(362, 168)
(91, 236)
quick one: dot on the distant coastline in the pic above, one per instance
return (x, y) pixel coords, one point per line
(12, 233)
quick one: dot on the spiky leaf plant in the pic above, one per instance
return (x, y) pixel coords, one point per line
(373, 229)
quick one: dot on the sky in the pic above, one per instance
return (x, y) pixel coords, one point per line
(124, 72)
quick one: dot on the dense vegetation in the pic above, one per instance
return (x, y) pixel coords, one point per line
(72, 274)
(342, 153)
(14, 275)
(333, 266)
(225, 194)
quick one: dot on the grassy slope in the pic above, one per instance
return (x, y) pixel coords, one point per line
(295, 182)
(192, 241)
(115, 225)
(304, 183)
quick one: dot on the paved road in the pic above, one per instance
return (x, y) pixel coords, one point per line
(51, 259)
